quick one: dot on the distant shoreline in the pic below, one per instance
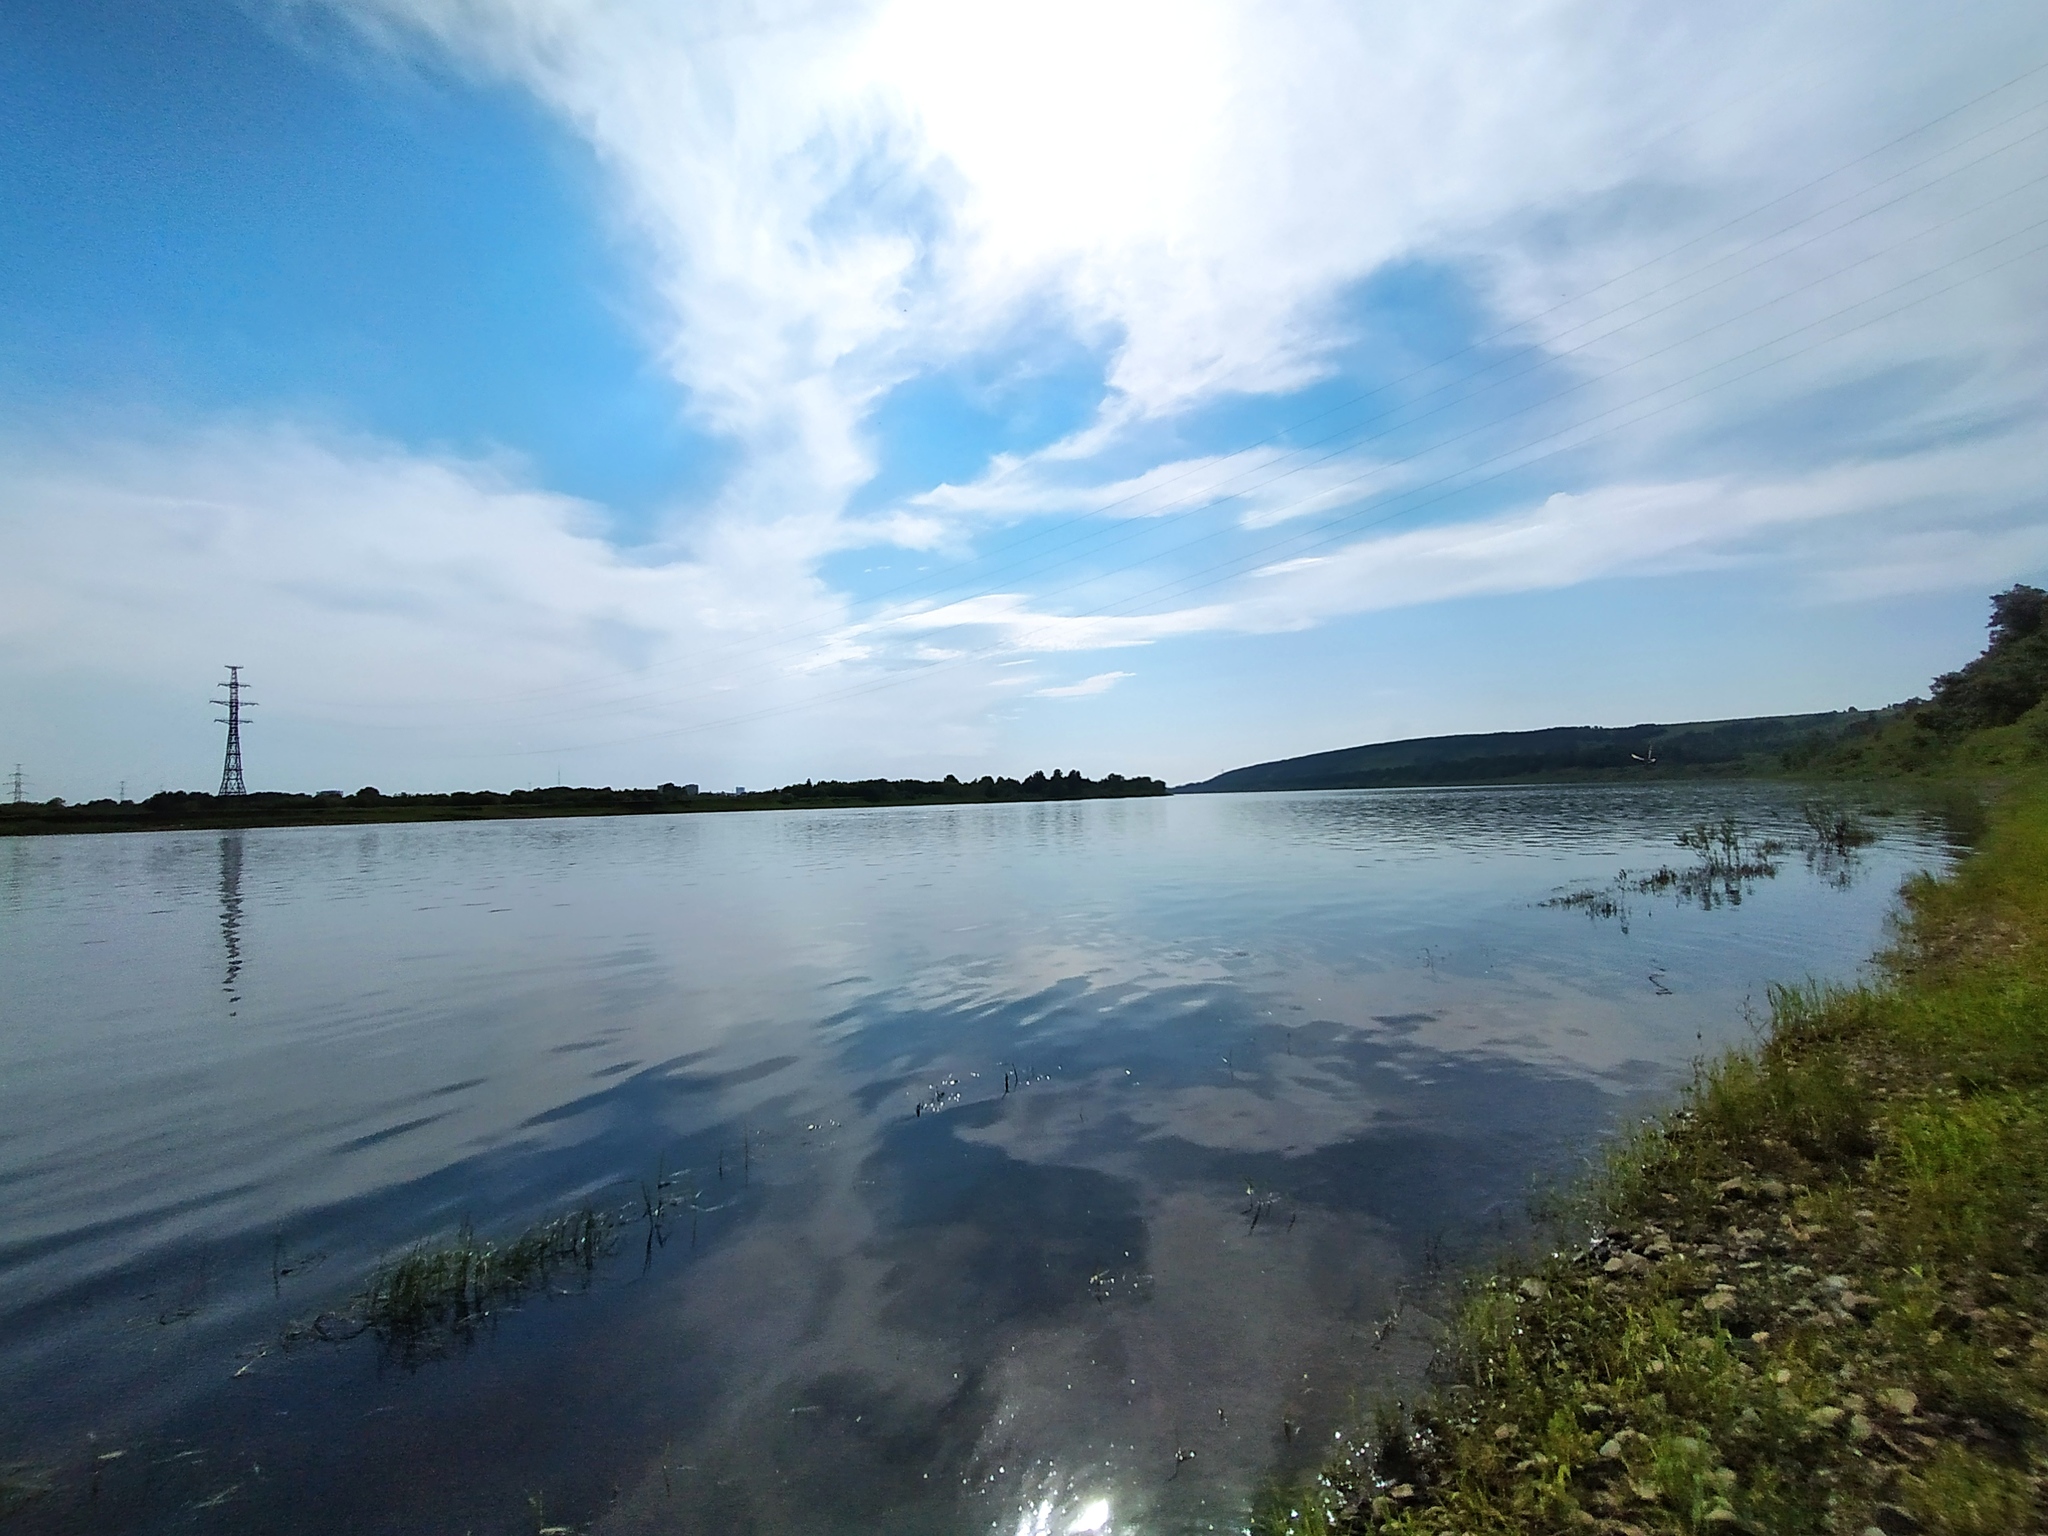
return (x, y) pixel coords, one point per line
(1748, 747)
(181, 811)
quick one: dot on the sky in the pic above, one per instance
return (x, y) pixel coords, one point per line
(616, 391)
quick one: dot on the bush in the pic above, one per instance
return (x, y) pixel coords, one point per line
(2004, 683)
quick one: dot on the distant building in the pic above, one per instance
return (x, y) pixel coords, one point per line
(331, 794)
(739, 789)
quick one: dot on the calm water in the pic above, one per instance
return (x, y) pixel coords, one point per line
(235, 1069)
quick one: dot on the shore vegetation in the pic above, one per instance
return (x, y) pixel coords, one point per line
(1813, 1297)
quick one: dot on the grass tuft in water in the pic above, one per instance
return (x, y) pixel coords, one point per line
(435, 1291)
(457, 1283)
(1834, 827)
(1728, 861)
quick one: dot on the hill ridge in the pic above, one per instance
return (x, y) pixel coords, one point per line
(1742, 744)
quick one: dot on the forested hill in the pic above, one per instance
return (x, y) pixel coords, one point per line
(1691, 748)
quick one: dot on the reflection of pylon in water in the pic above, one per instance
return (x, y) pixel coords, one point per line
(231, 913)
(231, 770)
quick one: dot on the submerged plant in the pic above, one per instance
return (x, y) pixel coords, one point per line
(1730, 860)
(435, 1291)
(1835, 827)
(456, 1284)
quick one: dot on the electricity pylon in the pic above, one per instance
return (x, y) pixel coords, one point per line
(231, 770)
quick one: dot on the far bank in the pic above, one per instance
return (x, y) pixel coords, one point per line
(175, 811)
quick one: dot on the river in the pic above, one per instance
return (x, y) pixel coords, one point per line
(1030, 1168)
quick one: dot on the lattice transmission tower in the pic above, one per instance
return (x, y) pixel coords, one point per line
(231, 769)
(16, 784)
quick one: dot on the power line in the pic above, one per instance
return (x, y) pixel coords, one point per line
(1347, 523)
(1648, 357)
(1550, 398)
(912, 674)
(1550, 355)
(1532, 358)
(1087, 518)
(1180, 585)
(1216, 490)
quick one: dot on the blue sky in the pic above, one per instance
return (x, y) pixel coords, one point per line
(743, 393)
(207, 216)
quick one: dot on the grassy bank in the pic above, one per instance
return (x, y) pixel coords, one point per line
(1810, 1299)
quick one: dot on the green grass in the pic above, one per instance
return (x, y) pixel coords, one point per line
(1904, 749)
(437, 1291)
(1812, 1298)
(457, 1283)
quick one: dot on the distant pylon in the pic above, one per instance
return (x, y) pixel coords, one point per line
(16, 784)
(231, 770)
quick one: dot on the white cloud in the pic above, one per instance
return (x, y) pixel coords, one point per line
(837, 191)
(1940, 559)
(1101, 682)
(1983, 495)
(1263, 486)
(1024, 628)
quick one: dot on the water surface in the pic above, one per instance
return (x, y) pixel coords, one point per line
(981, 1102)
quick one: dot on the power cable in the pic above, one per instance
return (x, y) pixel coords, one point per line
(615, 705)
(911, 674)
(1185, 585)
(1089, 517)
(1591, 380)
(1551, 356)
(619, 705)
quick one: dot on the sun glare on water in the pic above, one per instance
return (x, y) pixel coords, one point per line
(1038, 1520)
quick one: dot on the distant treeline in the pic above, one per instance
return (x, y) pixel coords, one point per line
(1696, 748)
(182, 808)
